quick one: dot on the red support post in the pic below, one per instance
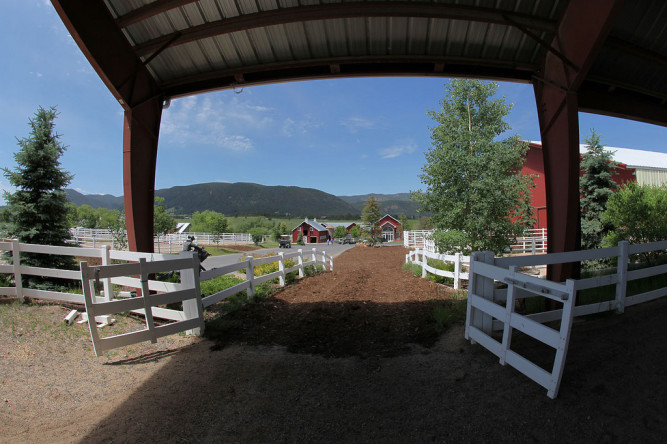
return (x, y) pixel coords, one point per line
(581, 32)
(140, 140)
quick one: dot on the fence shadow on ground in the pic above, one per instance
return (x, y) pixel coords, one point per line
(250, 391)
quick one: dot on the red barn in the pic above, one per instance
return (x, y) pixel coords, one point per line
(313, 232)
(391, 228)
(535, 165)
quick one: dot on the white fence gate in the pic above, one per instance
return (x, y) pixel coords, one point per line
(491, 308)
(188, 294)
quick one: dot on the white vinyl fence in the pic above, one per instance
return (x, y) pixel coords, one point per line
(416, 238)
(168, 243)
(124, 275)
(421, 257)
(534, 241)
(491, 308)
(188, 294)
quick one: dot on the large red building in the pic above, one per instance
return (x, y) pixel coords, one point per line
(535, 165)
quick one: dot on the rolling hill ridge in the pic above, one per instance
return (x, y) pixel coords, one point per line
(245, 199)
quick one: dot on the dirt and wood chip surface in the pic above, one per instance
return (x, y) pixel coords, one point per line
(350, 356)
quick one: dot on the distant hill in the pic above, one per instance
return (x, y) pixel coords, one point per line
(254, 199)
(395, 204)
(95, 200)
(237, 199)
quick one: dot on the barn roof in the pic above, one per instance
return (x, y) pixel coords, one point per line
(143, 49)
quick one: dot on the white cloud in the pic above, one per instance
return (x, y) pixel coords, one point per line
(398, 150)
(354, 124)
(215, 120)
(293, 127)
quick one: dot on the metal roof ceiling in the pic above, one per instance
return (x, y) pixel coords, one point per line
(171, 48)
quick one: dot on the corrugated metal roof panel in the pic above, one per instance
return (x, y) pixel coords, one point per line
(296, 35)
(279, 42)
(316, 35)
(260, 42)
(244, 47)
(377, 33)
(228, 50)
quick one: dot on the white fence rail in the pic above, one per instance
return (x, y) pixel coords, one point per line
(170, 243)
(300, 258)
(188, 294)
(534, 241)
(420, 257)
(492, 308)
(416, 238)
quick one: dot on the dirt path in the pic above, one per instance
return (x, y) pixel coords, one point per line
(343, 357)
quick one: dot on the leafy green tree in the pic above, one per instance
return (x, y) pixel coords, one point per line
(355, 231)
(340, 231)
(37, 210)
(118, 229)
(86, 216)
(279, 230)
(210, 222)
(405, 223)
(596, 187)
(162, 221)
(257, 235)
(637, 214)
(473, 185)
(370, 216)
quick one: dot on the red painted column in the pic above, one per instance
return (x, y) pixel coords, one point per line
(140, 140)
(559, 127)
(580, 33)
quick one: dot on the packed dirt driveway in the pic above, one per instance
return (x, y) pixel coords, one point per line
(349, 356)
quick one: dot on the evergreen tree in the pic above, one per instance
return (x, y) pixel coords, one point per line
(473, 184)
(596, 187)
(370, 216)
(37, 211)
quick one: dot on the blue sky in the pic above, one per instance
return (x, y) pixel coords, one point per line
(344, 137)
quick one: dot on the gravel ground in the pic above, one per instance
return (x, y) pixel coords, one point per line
(335, 358)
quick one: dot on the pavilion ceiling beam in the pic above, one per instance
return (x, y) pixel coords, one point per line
(150, 10)
(93, 28)
(623, 104)
(350, 67)
(346, 10)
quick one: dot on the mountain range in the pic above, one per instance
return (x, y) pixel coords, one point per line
(246, 199)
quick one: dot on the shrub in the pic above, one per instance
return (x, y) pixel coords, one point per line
(218, 284)
(261, 270)
(440, 265)
(448, 312)
(415, 269)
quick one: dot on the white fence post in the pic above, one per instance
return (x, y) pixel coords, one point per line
(16, 257)
(300, 263)
(108, 289)
(314, 254)
(281, 268)
(424, 263)
(457, 271)
(250, 277)
(192, 308)
(324, 260)
(482, 286)
(622, 276)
